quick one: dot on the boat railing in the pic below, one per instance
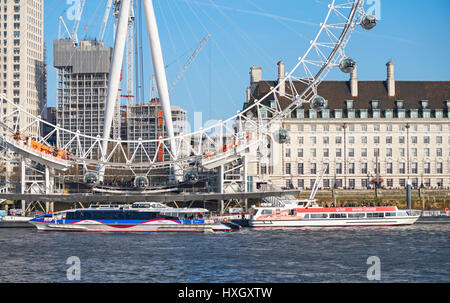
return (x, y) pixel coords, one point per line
(274, 201)
(414, 212)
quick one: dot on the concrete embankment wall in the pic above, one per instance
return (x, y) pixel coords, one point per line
(420, 199)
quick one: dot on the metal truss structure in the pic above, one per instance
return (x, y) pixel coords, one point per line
(216, 146)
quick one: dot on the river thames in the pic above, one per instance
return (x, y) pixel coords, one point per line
(417, 253)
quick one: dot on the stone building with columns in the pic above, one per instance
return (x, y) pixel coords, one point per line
(396, 130)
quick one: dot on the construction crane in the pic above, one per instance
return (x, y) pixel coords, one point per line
(62, 22)
(101, 34)
(77, 22)
(189, 62)
(73, 36)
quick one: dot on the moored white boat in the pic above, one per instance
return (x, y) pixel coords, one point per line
(14, 221)
(306, 213)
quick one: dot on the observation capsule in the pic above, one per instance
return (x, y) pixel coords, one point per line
(90, 179)
(281, 135)
(141, 182)
(347, 65)
(369, 21)
(318, 103)
(191, 176)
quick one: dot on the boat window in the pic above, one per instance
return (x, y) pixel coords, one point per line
(112, 215)
(392, 214)
(319, 216)
(375, 215)
(402, 214)
(266, 212)
(357, 215)
(338, 216)
(306, 216)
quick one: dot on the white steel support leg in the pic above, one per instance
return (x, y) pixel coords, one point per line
(114, 75)
(245, 181)
(220, 186)
(47, 180)
(22, 182)
(161, 79)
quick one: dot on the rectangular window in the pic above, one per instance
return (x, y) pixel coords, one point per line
(414, 168)
(363, 113)
(402, 167)
(300, 168)
(351, 168)
(351, 152)
(363, 168)
(388, 152)
(351, 184)
(288, 168)
(339, 168)
(363, 152)
(439, 167)
(389, 169)
(313, 168)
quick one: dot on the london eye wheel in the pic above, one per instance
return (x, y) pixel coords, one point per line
(208, 147)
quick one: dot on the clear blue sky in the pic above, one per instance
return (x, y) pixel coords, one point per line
(415, 34)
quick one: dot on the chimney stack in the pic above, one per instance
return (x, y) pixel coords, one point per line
(354, 82)
(255, 74)
(390, 79)
(282, 87)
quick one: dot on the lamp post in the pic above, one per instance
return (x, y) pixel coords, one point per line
(407, 149)
(345, 156)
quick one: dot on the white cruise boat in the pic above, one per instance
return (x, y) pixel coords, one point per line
(306, 213)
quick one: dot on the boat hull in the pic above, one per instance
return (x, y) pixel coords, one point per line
(163, 226)
(15, 222)
(334, 223)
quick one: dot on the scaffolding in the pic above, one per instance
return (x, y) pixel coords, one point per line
(82, 82)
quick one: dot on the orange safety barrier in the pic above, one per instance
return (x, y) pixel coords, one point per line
(42, 148)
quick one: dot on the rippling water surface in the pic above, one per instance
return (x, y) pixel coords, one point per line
(417, 253)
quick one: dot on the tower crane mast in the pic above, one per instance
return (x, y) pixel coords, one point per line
(77, 22)
(101, 34)
(189, 62)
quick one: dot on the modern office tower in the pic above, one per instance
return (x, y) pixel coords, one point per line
(22, 57)
(82, 84)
